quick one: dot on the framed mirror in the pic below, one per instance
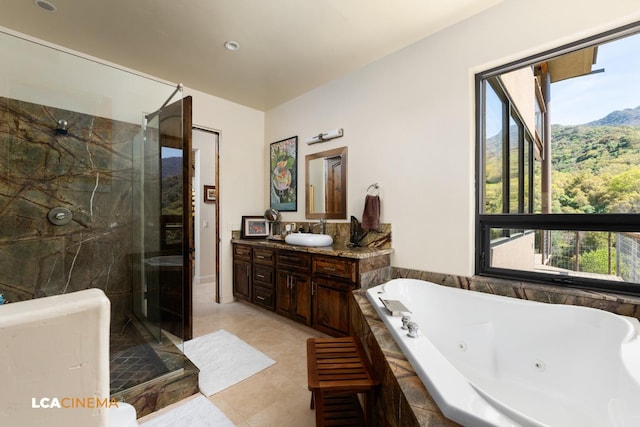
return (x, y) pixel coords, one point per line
(326, 184)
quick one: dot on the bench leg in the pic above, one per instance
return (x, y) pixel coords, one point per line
(319, 409)
(368, 410)
(312, 406)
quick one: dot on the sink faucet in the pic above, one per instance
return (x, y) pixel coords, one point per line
(322, 224)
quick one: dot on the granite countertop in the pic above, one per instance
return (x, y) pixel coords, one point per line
(337, 249)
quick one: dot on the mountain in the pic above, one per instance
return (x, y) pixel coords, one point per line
(594, 148)
(626, 117)
(596, 166)
(171, 166)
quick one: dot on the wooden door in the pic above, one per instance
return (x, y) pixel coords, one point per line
(242, 279)
(283, 293)
(333, 187)
(331, 306)
(301, 287)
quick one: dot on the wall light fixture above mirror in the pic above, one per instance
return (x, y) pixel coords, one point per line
(325, 136)
(326, 184)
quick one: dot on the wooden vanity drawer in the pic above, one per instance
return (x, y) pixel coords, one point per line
(335, 267)
(264, 297)
(263, 274)
(294, 260)
(264, 256)
(242, 251)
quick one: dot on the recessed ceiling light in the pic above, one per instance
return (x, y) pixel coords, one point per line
(45, 5)
(232, 45)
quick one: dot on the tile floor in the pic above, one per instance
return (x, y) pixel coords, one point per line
(277, 396)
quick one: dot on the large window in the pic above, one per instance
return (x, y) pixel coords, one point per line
(559, 166)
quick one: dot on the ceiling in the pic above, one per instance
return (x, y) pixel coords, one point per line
(287, 47)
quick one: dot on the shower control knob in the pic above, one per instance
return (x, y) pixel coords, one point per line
(60, 216)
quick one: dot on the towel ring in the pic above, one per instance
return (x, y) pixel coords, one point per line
(375, 188)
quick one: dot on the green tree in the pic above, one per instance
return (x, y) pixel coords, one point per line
(597, 261)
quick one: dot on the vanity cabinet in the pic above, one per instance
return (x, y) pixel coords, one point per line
(263, 288)
(293, 286)
(311, 288)
(333, 280)
(242, 272)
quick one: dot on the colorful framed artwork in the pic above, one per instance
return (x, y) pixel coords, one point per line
(254, 227)
(284, 175)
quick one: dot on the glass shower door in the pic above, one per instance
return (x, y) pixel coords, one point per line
(165, 212)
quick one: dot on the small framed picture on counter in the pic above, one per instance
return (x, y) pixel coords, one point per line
(254, 227)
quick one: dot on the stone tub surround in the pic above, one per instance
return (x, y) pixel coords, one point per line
(403, 399)
(619, 304)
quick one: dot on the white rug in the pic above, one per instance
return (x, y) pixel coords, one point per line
(197, 412)
(223, 360)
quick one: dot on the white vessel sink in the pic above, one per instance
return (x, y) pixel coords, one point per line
(309, 239)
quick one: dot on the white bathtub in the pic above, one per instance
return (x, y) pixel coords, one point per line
(496, 361)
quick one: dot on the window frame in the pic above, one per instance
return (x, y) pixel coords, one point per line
(627, 222)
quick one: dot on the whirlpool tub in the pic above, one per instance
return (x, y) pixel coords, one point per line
(489, 360)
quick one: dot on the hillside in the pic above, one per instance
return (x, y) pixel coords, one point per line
(596, 166)
(626, 117)
(171, 166)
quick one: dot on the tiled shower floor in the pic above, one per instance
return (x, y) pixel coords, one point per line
(132, 360)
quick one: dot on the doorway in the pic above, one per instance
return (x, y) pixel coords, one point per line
(207, 207)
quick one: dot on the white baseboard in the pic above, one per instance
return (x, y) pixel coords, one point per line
(227, 300)
(204, 279)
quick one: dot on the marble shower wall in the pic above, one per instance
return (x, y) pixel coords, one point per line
(88, 171)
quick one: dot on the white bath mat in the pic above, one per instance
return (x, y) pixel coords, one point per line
(197, 412)
(223, 360)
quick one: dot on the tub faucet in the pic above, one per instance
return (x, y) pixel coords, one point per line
(322, 224)
(413, 330)
(405, 322)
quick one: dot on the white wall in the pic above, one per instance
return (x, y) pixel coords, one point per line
(242, 170)
(43, 73)
(409, 121)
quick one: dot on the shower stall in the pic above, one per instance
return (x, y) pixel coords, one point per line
(94, 193)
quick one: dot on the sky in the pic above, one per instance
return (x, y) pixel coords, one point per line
(585, 99)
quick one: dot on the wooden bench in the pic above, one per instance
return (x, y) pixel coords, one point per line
(337, 371)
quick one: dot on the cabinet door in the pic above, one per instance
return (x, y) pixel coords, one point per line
(301, 310)
(283, 293)
(242, 279)
(331, 306)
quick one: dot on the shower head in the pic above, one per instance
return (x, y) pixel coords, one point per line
(61, 128)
